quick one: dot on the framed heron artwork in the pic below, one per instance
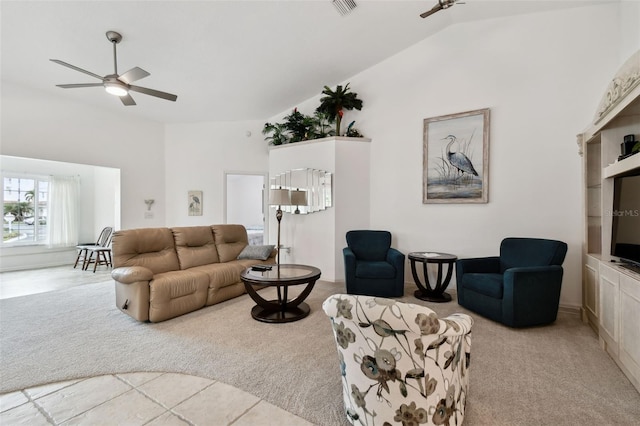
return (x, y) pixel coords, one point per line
(195, 203)
(456, 158)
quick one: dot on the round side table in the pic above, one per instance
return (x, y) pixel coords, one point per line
(426, 291)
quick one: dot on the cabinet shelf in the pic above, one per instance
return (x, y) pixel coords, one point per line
(621, 167)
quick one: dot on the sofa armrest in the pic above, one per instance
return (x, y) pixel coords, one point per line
(396, 258)
(349, 264)
(131, 274)
(519, 281)
(531, 292)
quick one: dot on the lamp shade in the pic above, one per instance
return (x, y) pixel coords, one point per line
(280, 197)
(298, 198)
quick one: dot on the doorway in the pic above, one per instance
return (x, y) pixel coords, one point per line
(245, 204)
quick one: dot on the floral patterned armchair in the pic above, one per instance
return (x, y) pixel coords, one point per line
(399, 362)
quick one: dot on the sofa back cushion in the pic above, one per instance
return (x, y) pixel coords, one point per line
(195, 246)
(230, 240)
(152, 248)
(369, 245)
(525, 252)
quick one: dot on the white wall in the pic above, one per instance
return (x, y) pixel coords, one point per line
(629, 15)
(38, 125)
(197, 156)
(107, 193)
(245, 199)
(542, 76)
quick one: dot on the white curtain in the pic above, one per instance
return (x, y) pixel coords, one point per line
(63, 211)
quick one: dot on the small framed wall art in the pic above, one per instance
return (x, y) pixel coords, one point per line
(195, 203)
(456, 158)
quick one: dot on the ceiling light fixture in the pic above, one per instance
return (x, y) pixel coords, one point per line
(115, 90)
(115, 87)
(344, 7)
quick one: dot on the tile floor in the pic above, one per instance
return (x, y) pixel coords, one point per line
(140, 399)
(23, 283)
(126, 399)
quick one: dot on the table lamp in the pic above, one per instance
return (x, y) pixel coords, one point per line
(298, 198)
(279, 197)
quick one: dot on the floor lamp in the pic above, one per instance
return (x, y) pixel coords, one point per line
(279, 197)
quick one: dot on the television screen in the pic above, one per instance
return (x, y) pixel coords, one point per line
(625, 236)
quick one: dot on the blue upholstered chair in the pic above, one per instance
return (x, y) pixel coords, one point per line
(371, 266)
(519, 288)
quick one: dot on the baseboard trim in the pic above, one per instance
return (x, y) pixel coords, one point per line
(569, 309)
(35, 266)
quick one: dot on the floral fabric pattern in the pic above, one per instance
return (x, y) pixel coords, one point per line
(400, 363)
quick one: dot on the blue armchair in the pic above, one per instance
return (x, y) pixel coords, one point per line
(519, 288)
(371, 266)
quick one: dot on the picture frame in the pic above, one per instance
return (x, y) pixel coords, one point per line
(456, 158)
(194, 203)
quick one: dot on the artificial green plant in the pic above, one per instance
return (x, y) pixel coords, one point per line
(333, 103)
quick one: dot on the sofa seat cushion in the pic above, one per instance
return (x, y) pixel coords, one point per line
(375, 269)
(221, 274)
(177, 292)
(488, 284)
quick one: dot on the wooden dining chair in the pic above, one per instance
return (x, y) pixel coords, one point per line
(103, 240)
(102, 256)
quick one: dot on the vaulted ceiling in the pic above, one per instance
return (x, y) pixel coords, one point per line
(226, 60)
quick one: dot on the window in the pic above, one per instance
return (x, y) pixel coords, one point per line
(25, 202)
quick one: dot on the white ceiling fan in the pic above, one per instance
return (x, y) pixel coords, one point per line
(115, 84)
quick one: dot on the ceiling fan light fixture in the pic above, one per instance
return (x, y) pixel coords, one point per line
(116, 84)
(115, 89)
(446, 3)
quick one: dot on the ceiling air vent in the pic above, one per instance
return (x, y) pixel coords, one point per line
(344, 7)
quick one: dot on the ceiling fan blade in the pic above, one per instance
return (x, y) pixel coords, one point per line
(133, 74)
(74, 86)
(156, 93)
(127, 100)
(73, 67)
(433, 10)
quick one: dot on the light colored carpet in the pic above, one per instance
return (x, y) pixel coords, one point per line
(547, 375)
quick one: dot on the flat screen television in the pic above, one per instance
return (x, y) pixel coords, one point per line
(625, 235)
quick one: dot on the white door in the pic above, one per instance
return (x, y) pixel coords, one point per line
(245, 203)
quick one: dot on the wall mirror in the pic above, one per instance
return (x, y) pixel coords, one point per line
(316, 183)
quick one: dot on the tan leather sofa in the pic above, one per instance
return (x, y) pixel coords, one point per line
(161, 273)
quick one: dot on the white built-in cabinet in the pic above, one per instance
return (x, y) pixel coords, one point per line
(610, 307)
(611, 293)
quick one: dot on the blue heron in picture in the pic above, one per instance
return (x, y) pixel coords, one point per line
(458, 160)
(194, 205)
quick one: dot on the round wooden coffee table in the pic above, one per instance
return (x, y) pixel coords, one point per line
(280, 276)
(425, 291)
